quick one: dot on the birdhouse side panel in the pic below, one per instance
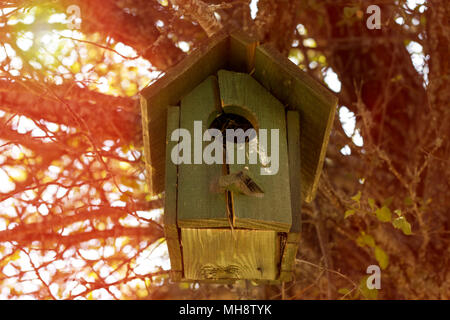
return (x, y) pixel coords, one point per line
(293, 237)
(293, 137)
(170, 197)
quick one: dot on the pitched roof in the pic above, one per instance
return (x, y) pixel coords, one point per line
(238, 52)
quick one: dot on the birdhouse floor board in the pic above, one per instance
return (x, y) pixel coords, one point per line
(230, 254)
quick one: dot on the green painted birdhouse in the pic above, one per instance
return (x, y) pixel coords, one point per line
(235, 137)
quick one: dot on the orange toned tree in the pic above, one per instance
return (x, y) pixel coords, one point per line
(76, 221)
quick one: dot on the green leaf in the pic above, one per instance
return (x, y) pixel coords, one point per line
(382, 257)
(370, 294)
(398, 212)
(184, 285)
(365, 240)
(349, 213)
(384, 214)
(402, 224)
(357, 196)
(371, 202)
(344, 291)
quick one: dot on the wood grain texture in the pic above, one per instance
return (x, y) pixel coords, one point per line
(316, 104)
(198, 205)
(293, 137)
(242, 94)
(176, 83)
(170, 197)
(227, 254)
(242, 52)
(293, 237)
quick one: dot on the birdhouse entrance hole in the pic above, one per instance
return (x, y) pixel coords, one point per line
(234, 122)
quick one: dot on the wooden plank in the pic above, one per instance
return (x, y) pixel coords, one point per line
(176, 83)
(293, 137)
(198, 205)
(293, 237)
(288, 261)
(230, 254)
(176, 275)
(170, 197)
(315, 103)
(242, 95)
(242, 52)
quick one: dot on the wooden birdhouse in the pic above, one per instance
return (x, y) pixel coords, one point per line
(229, 220)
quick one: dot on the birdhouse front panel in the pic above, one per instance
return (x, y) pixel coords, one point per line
(245, 189)
(200, 203)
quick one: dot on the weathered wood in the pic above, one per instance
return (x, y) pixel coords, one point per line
(176, 83)
(170, 197)
(293, 237)
(190, 202)
(315, 103)
(176, 275)
(288, 261)
(243, 95)
(242, 52)
(198, 206)
(230, 254)
(293, 137)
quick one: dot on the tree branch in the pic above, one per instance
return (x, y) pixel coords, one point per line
(111, 117)
(200, 12)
